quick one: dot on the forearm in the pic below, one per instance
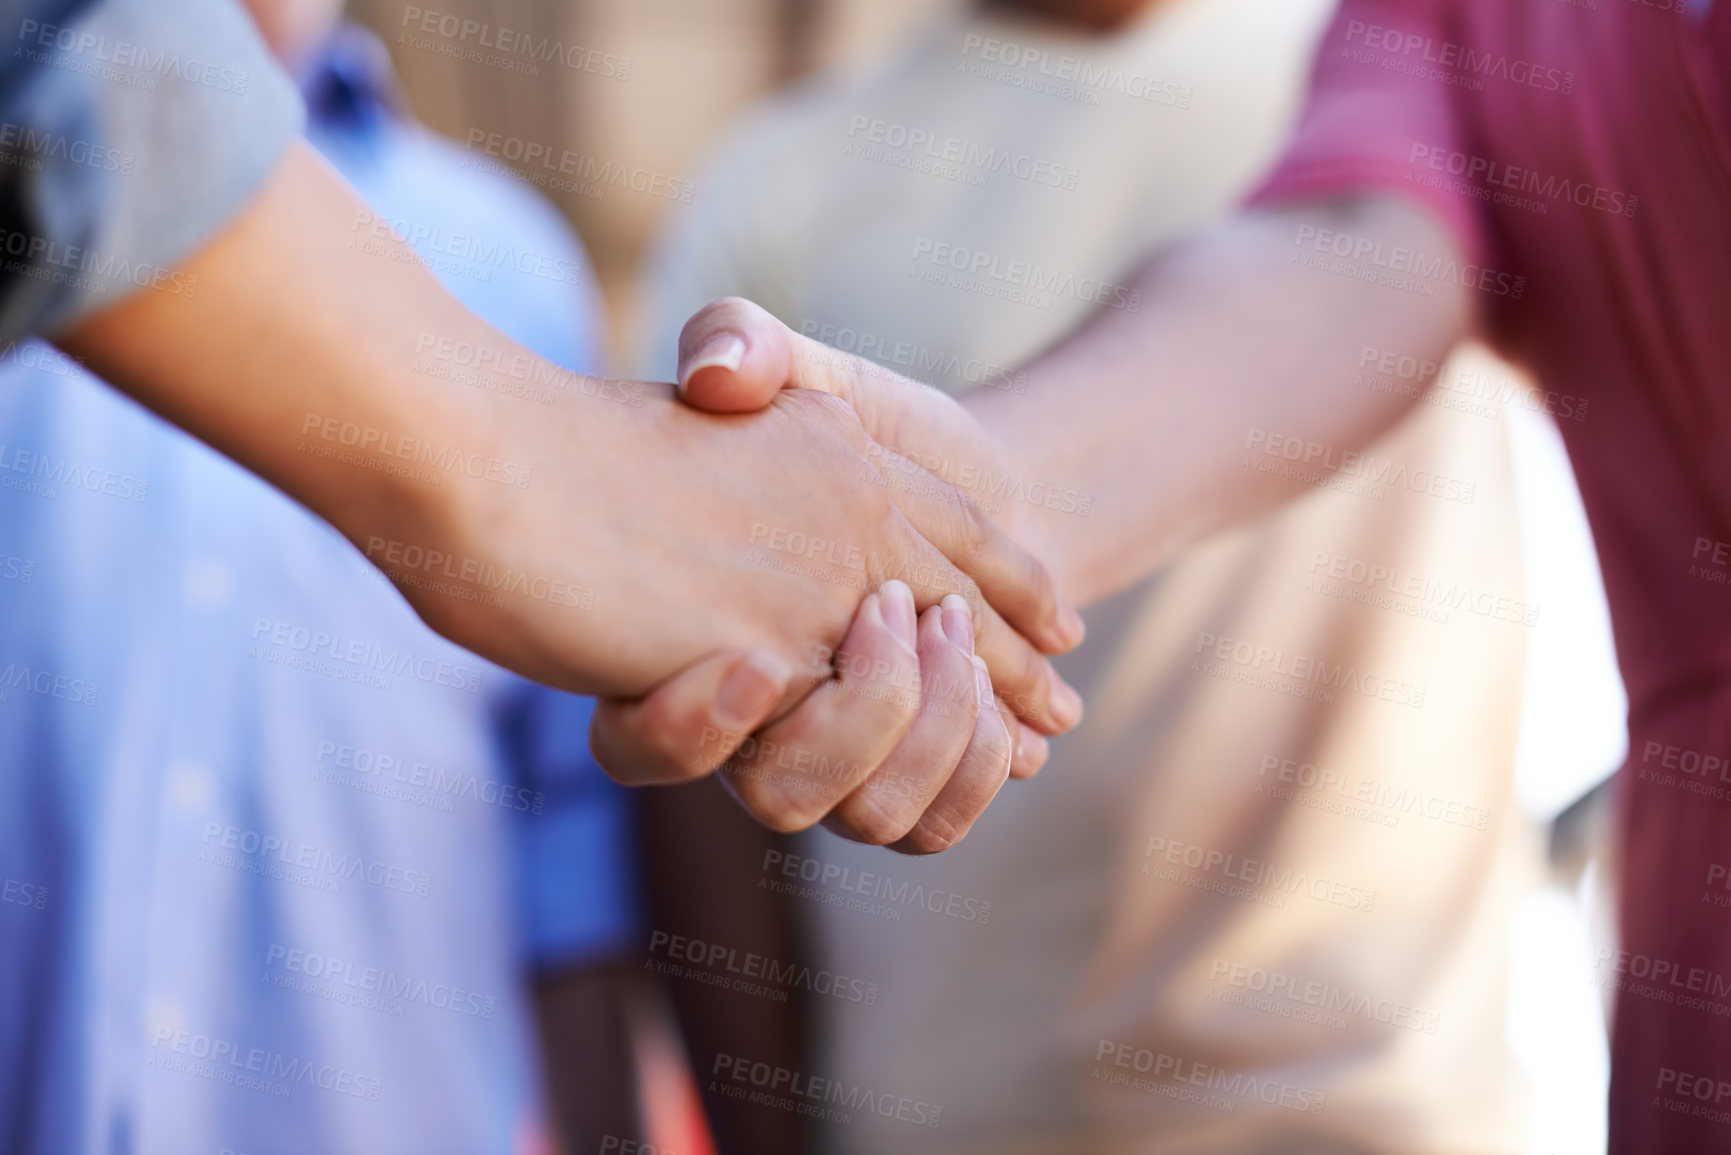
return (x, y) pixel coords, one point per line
(299, 315)
(1154, 414)
(597, 536)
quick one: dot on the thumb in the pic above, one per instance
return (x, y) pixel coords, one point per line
(734, 357)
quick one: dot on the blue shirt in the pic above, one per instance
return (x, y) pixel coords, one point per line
(265, 840)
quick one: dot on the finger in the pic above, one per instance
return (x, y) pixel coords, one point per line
(735, 356)
(798, 769)
(1031, 752)
(691, 723)
(981, 774)
(888, 804)
(1026, 682)
(1010, 578)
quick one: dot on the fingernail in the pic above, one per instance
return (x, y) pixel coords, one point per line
(750, 690)
(982, 681)
(1066, 703)
(898, 607)
(958, 622)
(724, 349)
(1071, 623)
(1032, 749)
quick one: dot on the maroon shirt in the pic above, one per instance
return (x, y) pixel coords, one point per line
(1582, 156)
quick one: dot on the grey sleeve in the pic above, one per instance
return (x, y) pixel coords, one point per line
(130, 132)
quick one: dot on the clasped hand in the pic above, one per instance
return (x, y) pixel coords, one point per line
(898, 736)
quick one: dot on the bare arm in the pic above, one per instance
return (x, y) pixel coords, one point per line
(1146, 418)
(599, 541)
(1154, 412)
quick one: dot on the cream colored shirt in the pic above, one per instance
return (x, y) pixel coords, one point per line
(1259, 901)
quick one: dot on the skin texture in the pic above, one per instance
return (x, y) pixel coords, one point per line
(635, 551)
(1148, 412)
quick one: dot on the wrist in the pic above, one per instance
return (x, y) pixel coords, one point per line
(1047, 513)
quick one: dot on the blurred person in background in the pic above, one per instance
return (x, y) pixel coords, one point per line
(331, 881)
(1297, 890)
(1550, 176)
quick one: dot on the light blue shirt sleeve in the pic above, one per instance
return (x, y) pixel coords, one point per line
(132, 130)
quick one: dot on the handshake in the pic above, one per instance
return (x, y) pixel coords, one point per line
(774, 586)
(756, 572)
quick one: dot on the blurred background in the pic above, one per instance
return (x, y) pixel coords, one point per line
(676, 74)
(693, 65)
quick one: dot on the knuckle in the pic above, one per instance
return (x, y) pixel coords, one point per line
(779, 812)
(1042, 590)
(935, 832)
(974, 530)
(1032, 680)
(995, 750)
(866, 819)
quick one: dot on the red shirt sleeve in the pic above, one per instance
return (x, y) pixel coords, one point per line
(1381, 102)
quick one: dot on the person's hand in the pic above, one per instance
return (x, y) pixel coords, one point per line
(904, 746)
(751, 531)
(734, 357)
